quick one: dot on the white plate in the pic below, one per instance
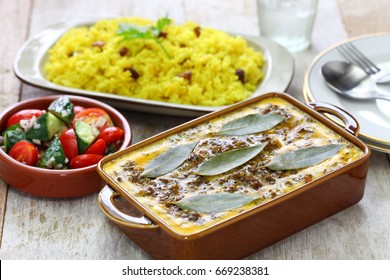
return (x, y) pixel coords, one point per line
(374, 115)
(33, 55)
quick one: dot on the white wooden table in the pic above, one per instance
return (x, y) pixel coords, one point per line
(37, 228)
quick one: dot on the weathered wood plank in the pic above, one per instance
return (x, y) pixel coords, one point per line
(3, 203)
(15, 16)
(361, 18)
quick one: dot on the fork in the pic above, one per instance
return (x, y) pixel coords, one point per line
(354, 55)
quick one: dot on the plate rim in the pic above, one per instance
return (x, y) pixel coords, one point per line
(36, 79)
(309, 97)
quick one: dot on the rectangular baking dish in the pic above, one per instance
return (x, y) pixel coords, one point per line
(253, 230)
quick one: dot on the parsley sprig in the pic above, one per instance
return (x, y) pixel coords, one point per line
(131, 31)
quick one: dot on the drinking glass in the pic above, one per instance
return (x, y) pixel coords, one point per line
(288, 22)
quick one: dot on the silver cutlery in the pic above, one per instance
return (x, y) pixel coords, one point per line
(354, 55)
(351, 81)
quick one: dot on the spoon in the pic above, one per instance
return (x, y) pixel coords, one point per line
(351, 81)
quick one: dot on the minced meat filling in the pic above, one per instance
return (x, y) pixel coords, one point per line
(252, 176)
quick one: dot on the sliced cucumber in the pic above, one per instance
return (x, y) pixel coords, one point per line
(46, 126)
(62, 108)
(54, 156)
(13, 135)
(55, 125)
(85, 135)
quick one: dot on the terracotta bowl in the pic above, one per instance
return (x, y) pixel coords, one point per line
(56, 183)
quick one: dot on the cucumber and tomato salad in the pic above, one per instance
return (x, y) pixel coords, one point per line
(65, 136)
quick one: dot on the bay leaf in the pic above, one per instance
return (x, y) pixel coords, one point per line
(168, 161)
(215, 202)
(249, 124)
(226, 161)
(303, 158)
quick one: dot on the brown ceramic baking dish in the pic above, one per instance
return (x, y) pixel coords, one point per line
(250, 231)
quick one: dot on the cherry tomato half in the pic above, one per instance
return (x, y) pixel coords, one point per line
(97, 148)
(95, 117)
(84, 160)
(69, 143)
(111, 134)
(24, 152)
(24, 115)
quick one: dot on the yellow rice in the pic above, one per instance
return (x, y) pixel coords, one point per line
(212, 58)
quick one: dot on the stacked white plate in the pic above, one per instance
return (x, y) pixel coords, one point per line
(372, 115)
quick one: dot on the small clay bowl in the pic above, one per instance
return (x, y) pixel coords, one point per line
(56, 183)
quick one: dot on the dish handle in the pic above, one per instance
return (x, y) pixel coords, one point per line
(350, 123)
(106, 197)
